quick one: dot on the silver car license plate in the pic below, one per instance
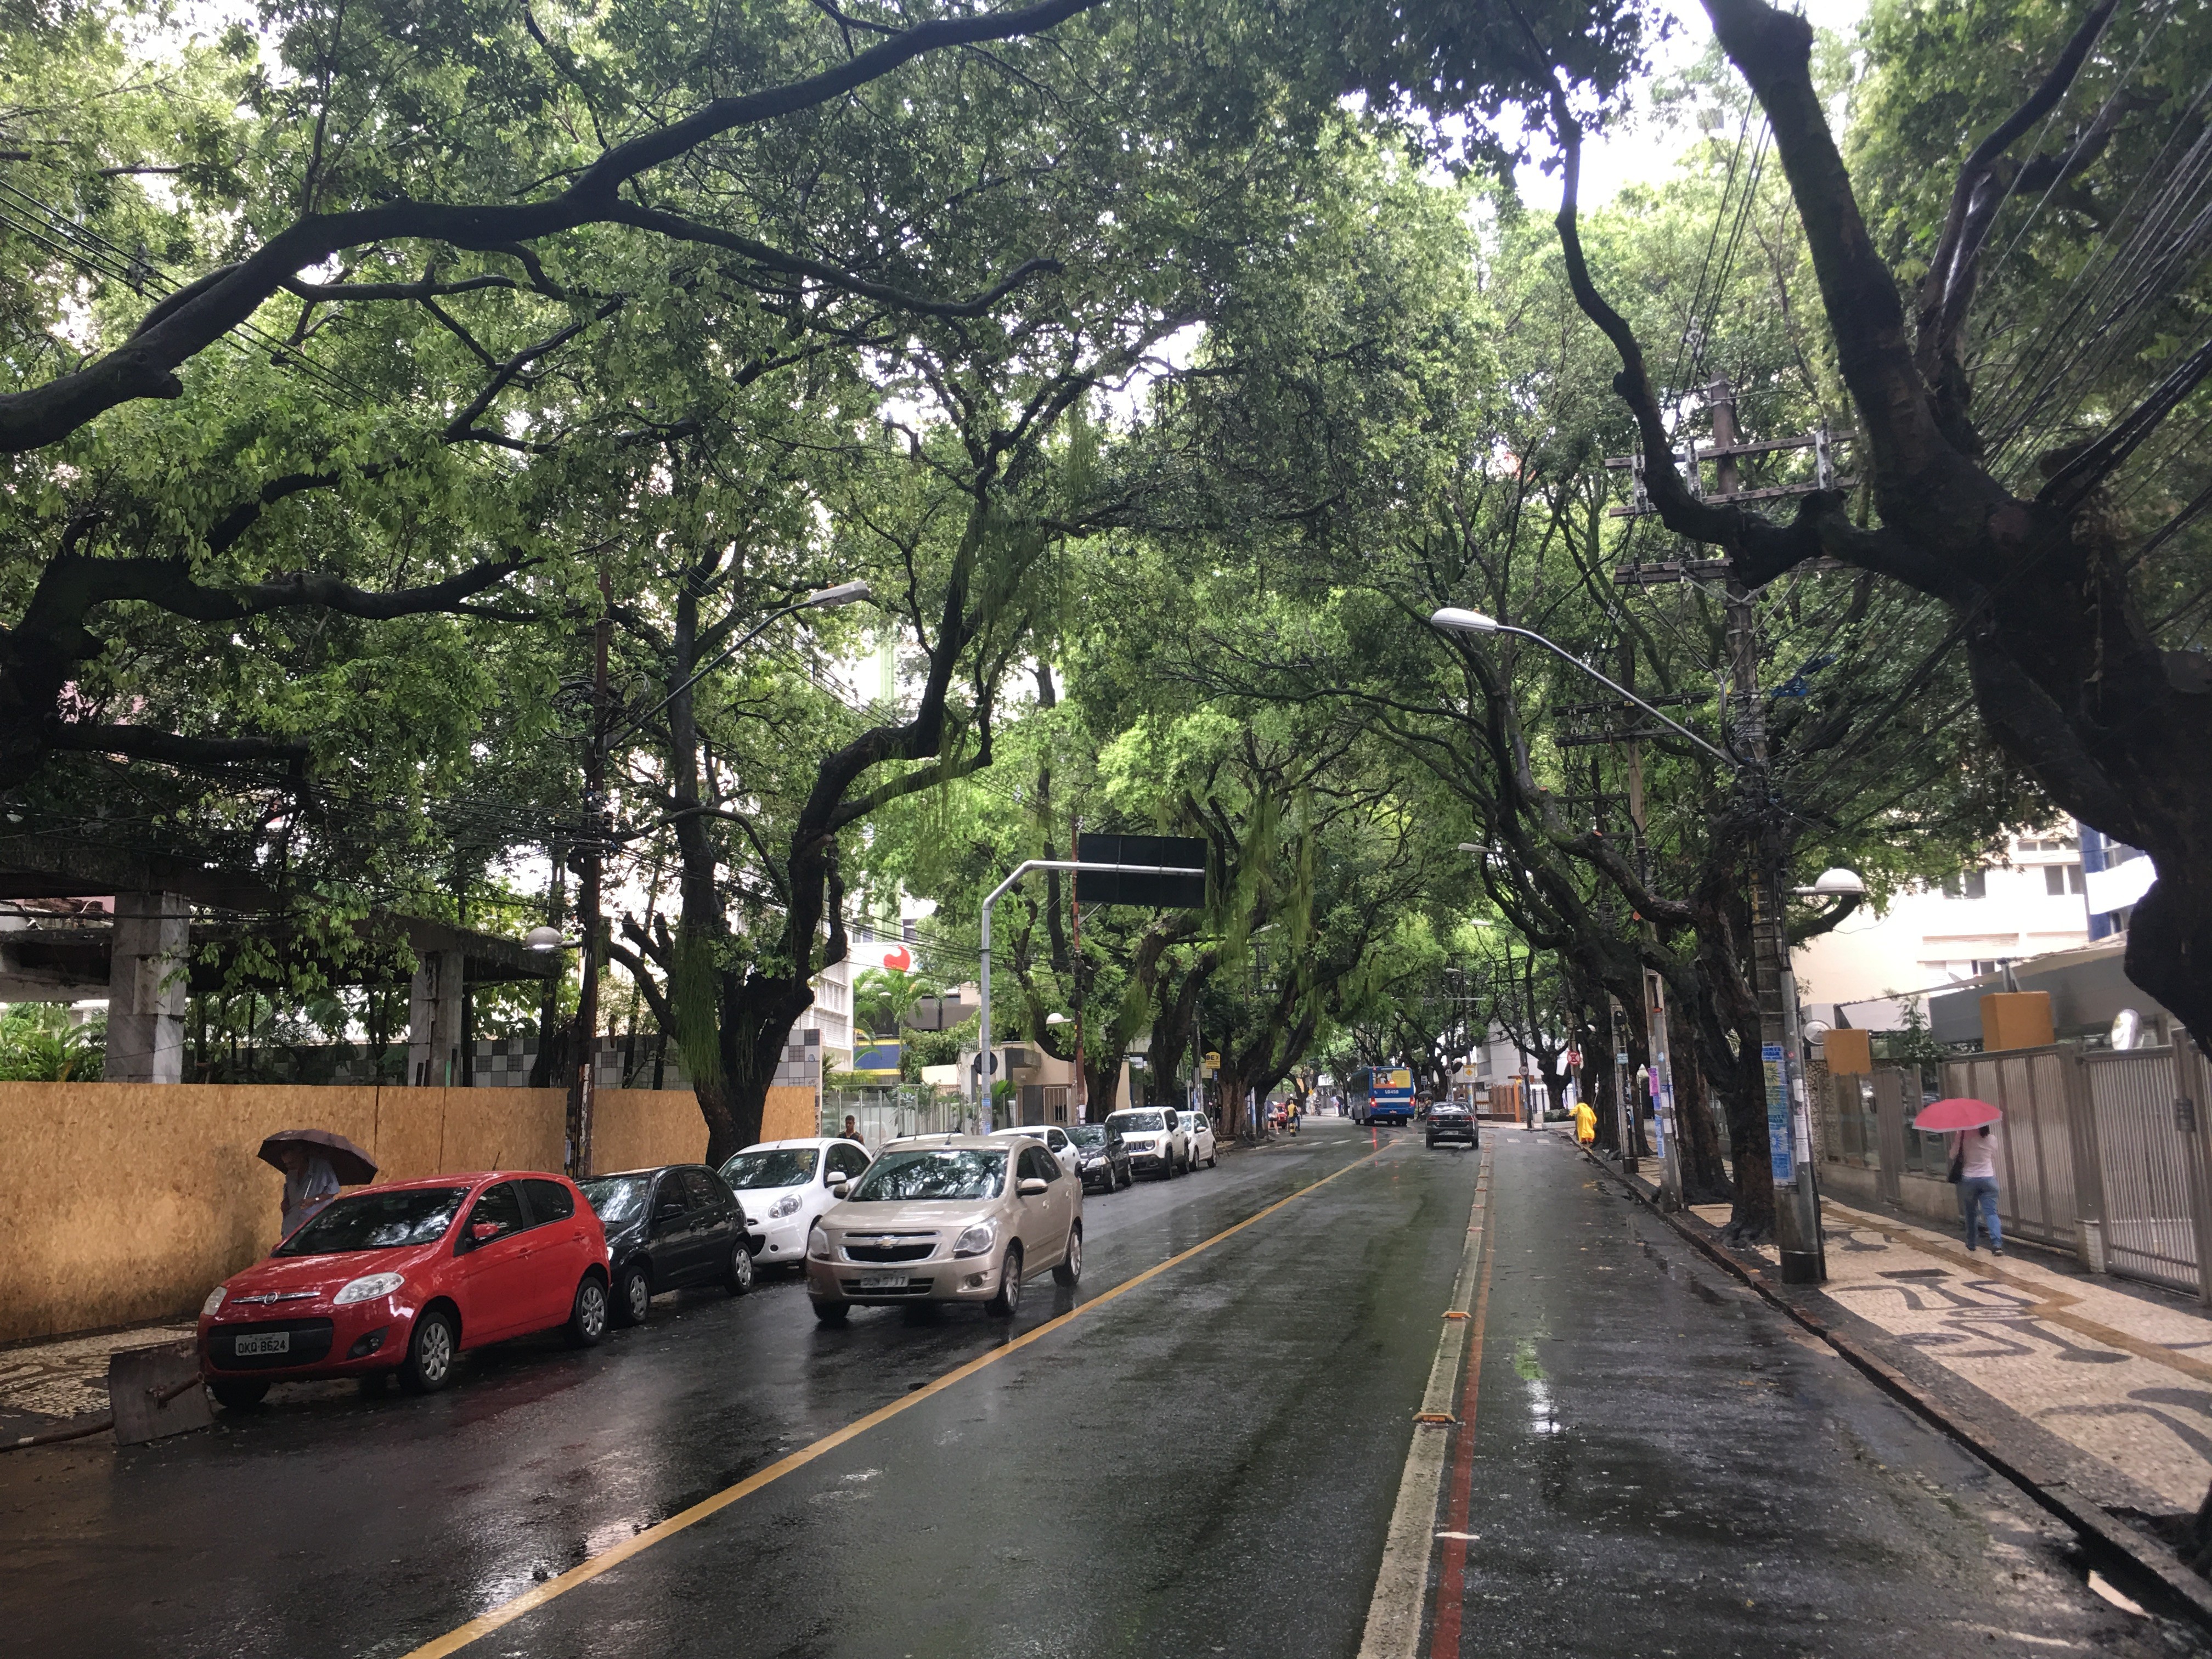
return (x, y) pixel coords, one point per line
(266, 1342)
(884, 1281)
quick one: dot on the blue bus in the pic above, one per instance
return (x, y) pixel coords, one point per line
(1382, 1094)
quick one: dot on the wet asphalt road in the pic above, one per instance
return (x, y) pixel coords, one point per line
(1205, 1463)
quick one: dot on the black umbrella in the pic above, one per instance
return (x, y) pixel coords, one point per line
(352, 1166)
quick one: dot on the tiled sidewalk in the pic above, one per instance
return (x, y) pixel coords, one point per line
(2124, 1378)
(68, 1376)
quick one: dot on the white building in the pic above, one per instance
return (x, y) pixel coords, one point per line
(2027, 904)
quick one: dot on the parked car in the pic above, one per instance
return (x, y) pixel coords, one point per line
(1056, 1141)
(1198, 1139)
(1155, 1138)
(1449, 1119)
(947, 1219)
(405, 1277)
(668, 1228)
(785, 1184)
(1101, 1157)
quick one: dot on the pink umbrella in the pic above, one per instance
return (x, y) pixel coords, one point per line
(1959, 1113)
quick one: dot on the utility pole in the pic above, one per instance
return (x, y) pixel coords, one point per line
(1788, 1120)
(1796, 1206)
(584, 1085)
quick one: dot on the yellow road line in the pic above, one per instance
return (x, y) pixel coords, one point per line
(536, 1596)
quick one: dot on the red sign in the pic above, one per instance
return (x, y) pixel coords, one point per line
(898, 961)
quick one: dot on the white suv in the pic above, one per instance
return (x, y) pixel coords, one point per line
(1155, 1138)
(1055, 1142)
(1198, 1139)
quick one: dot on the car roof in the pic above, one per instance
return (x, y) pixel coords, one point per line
(1034, 1131)
(650, 1170)
(990, 1142)
(797, 1141)
(461, 1178)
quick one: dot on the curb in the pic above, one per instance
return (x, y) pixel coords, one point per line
(2186, 1591)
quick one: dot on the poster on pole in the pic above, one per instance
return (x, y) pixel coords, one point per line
(1777, 1113)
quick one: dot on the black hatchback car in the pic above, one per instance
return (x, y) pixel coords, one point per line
(1450, 1121)
(668, 1228)
(1101, 1157)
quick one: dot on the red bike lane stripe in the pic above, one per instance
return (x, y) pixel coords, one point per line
(1451, 1579)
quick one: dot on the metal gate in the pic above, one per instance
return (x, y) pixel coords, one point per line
(2147, 1154)
(2036, 1188)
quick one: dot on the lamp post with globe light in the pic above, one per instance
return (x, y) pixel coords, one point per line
(1789, 1117)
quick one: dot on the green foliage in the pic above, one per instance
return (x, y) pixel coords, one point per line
(40, 1043)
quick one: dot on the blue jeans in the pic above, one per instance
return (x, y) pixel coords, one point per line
(1978, 1200)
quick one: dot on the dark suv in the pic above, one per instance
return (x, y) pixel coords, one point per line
(1450, 1121)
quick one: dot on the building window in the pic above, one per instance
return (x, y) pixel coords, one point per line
(906, 931)
(1967, 883)
(2060, 879)
(2051, 844)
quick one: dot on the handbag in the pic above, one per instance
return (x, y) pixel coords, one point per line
(1957, 1172)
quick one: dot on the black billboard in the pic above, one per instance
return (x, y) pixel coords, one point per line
(1161, 892)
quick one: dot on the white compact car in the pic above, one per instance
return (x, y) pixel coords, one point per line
(1056, 1142)
(783, 1185)
(1198, 1138)
(1154, 1135)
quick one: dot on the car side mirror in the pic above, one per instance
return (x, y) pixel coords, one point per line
(840, 1187)
(483, 1232)
(1031, 1186)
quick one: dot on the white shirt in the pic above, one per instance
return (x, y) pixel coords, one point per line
(1981, 1154)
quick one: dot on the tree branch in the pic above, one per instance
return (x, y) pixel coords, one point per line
(145, 743)
(189, 321)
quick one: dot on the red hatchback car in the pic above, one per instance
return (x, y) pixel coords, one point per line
(404, 1278)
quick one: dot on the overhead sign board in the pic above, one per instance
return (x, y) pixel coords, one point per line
(937, 1013)
(1173, 892)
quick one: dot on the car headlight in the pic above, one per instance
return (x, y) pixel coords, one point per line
(788, 1205)
(977, 1240)
(817, 1245)
(368, 1288)
(209, 1308)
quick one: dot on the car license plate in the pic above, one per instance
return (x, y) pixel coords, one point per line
(266, 1342)
(884, 1281)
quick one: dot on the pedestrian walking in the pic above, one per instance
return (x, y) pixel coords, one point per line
(310, 1183)
(1974, 1167)
(852, 1131)
(1585, 1124)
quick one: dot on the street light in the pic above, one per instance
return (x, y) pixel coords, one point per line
(545, 941)
(1838, 883)
(1803, 1259)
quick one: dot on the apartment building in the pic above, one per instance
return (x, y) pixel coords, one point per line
(2029, 901)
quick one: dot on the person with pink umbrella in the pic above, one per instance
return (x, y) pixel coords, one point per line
(1970, 1124)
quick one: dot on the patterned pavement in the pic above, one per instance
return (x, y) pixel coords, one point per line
(2124, 1377)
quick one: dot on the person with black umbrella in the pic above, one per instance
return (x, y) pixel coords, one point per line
(316, 1162)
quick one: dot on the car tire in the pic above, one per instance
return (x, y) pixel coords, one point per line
(830, 1313)
(432, 1348)
(588, 1313)
(633, 1294)
(1070, 1267)
(1128, 1177)
(1008, 1302)
(737, 1277)
(235, 1395)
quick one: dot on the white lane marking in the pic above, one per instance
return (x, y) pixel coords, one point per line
(1401, 1587)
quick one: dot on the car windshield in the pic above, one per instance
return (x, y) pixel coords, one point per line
(378, 1221)
(1088, 1134)
(946, 1172)
(618, 1199)
(779, 1166)
(1126, 1122)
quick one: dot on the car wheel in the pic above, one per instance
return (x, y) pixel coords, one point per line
(588, 1313)
(1127, 1178)
(739, 1277)
(1070, 1265)
(1008, 1302)
(633, 1294)
(430, 1352)
(238, 1396)
(1432, 1143)
(830, 1313)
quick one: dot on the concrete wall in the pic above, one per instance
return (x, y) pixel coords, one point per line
(125, 1201)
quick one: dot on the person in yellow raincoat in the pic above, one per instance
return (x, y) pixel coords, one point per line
(1585, 1123)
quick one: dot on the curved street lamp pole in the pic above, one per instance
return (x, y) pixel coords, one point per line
(1788, 1119)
